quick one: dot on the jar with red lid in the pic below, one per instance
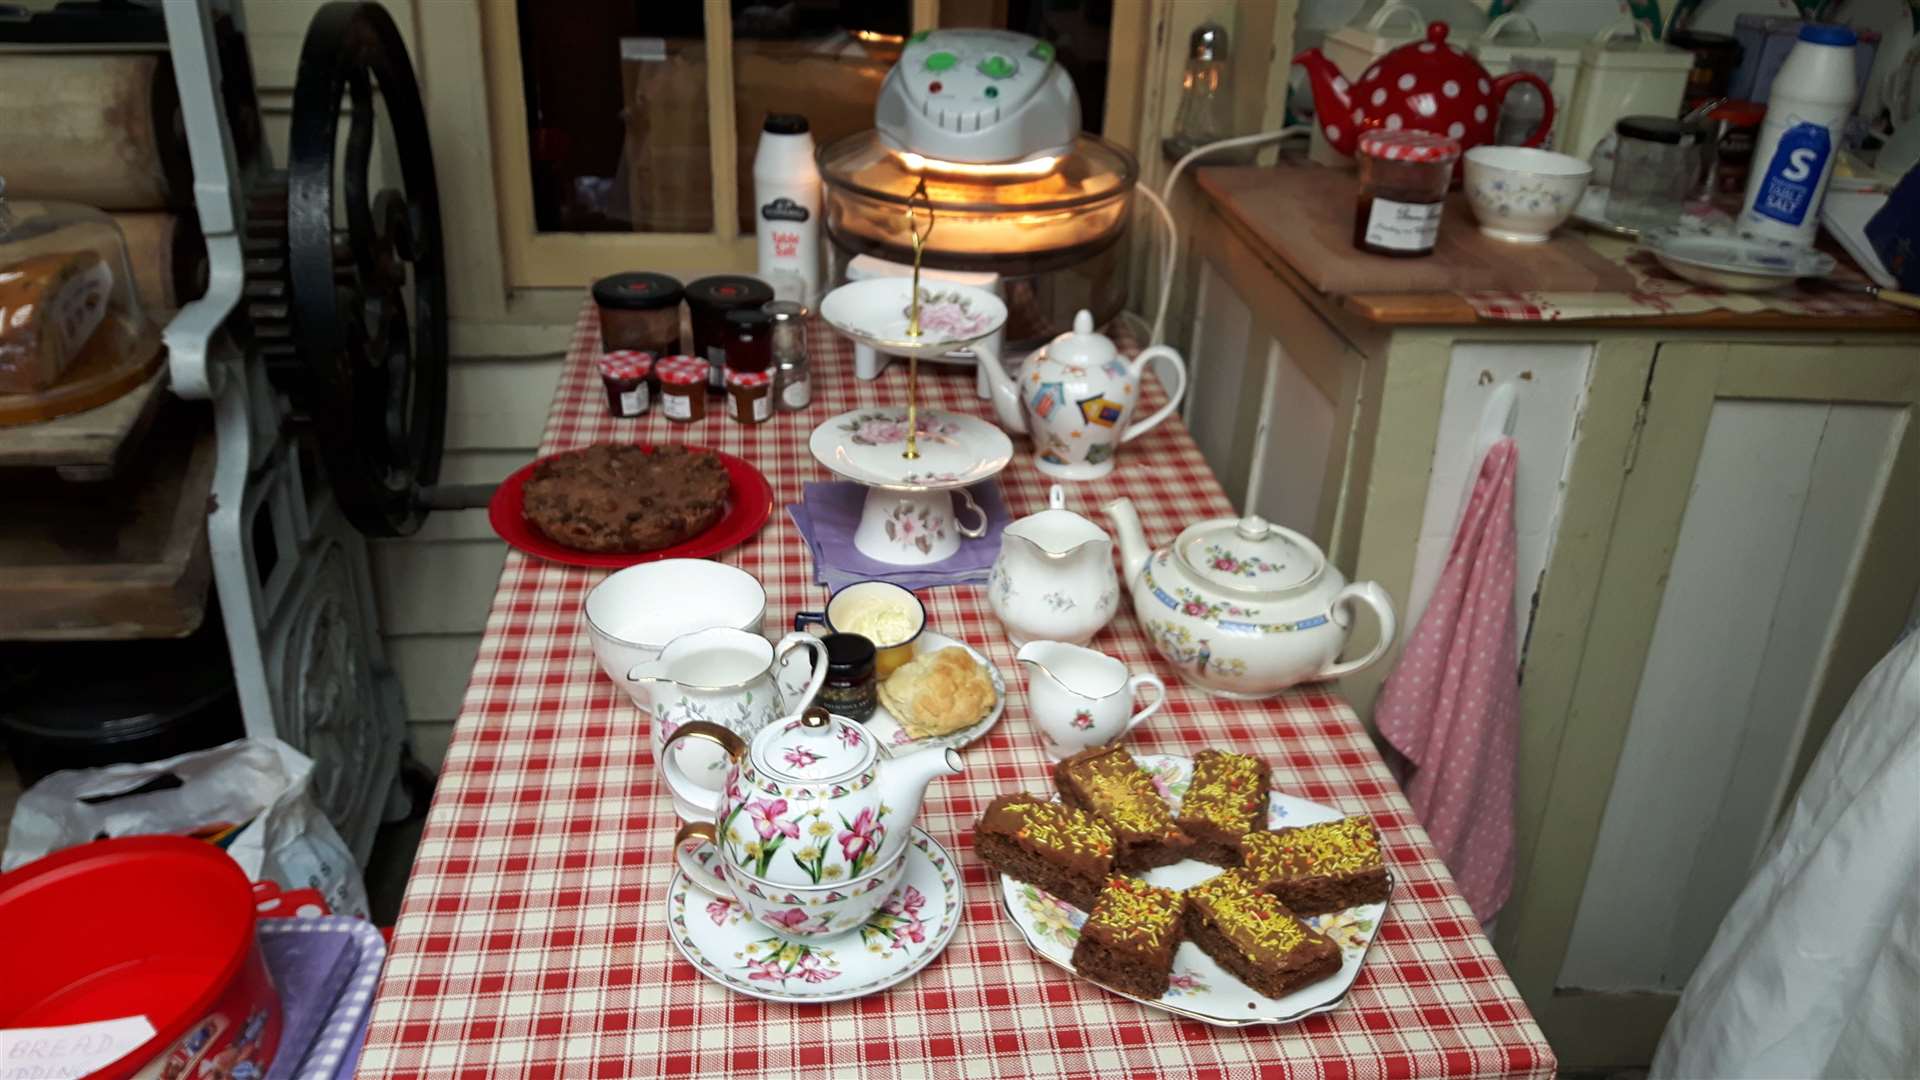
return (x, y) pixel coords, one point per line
(683, 387)
(1404, 176)
(750, 396)
(708, 301)
(640, 312)
(624, 374)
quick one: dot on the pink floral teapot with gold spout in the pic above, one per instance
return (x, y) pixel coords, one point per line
(1427, 85)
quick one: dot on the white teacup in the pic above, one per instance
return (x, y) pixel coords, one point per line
(1079, 697)
(633, 613)
(797, 912)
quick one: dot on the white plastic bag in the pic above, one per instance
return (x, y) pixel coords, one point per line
(260, 784)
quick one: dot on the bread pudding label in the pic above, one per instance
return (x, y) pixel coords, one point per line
(78, 304)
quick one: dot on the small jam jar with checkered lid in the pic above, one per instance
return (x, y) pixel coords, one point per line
(750, 396)
(683, 387)
(1404, 176)
(624, 373)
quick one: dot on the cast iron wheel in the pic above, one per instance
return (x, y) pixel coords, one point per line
(363, 272)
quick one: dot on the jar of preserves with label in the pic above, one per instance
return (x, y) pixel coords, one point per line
(750, 396)
(624, 374)
(1404, 176)
(683, 387)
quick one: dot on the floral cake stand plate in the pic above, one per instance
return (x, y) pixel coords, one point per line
(905, 935)
(908, 518)
(895, 738)
(1202, 989)
(875, 313)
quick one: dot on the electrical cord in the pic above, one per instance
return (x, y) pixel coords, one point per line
(1165, 195)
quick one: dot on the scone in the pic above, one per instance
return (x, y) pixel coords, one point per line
(938, 693)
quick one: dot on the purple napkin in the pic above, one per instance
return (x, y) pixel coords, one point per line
(828, 514)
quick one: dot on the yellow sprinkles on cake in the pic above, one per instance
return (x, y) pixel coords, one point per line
(1253, 919)
(1134, 911)
(1124, 793)
(1224, 789)
(1061, 827)
(1347, 846)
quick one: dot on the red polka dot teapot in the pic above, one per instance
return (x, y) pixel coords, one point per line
(1427, 85)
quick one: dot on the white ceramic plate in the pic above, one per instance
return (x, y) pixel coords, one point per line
(909, 931)
(1698, 217)
(1202, 989)
(875, 312)
(866, 445)
(895, 738)
(1735, 264)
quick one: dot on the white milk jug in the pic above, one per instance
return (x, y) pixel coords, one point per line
(1806, 114)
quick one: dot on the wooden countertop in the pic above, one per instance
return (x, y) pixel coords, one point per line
(1242, 196)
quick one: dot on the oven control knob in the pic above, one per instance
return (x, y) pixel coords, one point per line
(941, 61)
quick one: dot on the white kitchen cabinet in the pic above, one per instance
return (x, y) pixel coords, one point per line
(1716, 517)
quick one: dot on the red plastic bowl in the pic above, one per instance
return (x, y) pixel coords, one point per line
(154, 926)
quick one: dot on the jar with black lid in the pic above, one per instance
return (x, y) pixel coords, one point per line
(639, 311)
(851, 689)
(708, 301)
(749, 340)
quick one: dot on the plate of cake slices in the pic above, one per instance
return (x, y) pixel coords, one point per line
(615, 505)
(1188, 884)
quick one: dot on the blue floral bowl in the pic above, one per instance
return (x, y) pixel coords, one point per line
(1519, 194)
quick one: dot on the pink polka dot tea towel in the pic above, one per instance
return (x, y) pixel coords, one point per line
(1452, 704)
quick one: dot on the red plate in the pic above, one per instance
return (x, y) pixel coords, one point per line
(749, 504)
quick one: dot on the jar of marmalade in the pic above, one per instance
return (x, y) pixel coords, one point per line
(683, 387)
(1404, 177)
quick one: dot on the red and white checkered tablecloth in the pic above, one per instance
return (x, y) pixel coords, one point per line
(533, 939)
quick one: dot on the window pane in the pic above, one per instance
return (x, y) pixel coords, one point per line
(823, 59)
(1080, 32)
(617, 115)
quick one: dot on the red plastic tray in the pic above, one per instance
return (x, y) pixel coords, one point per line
(749, 504)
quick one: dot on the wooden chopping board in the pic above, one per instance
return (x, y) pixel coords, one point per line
(1304, 212)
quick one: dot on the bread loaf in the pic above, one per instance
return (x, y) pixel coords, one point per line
(50, 305)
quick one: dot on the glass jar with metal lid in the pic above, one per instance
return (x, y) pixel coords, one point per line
(1655, 167)
(792, 381)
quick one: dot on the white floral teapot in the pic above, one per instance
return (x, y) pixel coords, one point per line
(1243, 608)
(1075, 396)
(812, 800)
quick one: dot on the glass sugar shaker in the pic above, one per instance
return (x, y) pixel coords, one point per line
(792, 379)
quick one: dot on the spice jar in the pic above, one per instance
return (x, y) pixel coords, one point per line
(624, 374)
(639, 311)
(750, 396)
(1655, 164)
(851, 689)
(683, 387)
(792, 382)
(1404, 176)
(708, 301)
(749, 340)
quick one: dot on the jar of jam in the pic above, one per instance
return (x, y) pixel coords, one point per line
(749, 340)
(624, 374)
(683, 387)
(708, 301)
(640, 312)
(750, 396)
(1404, 176)
(851, 689)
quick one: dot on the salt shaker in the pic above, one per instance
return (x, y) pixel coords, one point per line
(792, 380)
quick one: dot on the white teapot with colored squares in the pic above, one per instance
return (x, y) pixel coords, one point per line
(1075, 397)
